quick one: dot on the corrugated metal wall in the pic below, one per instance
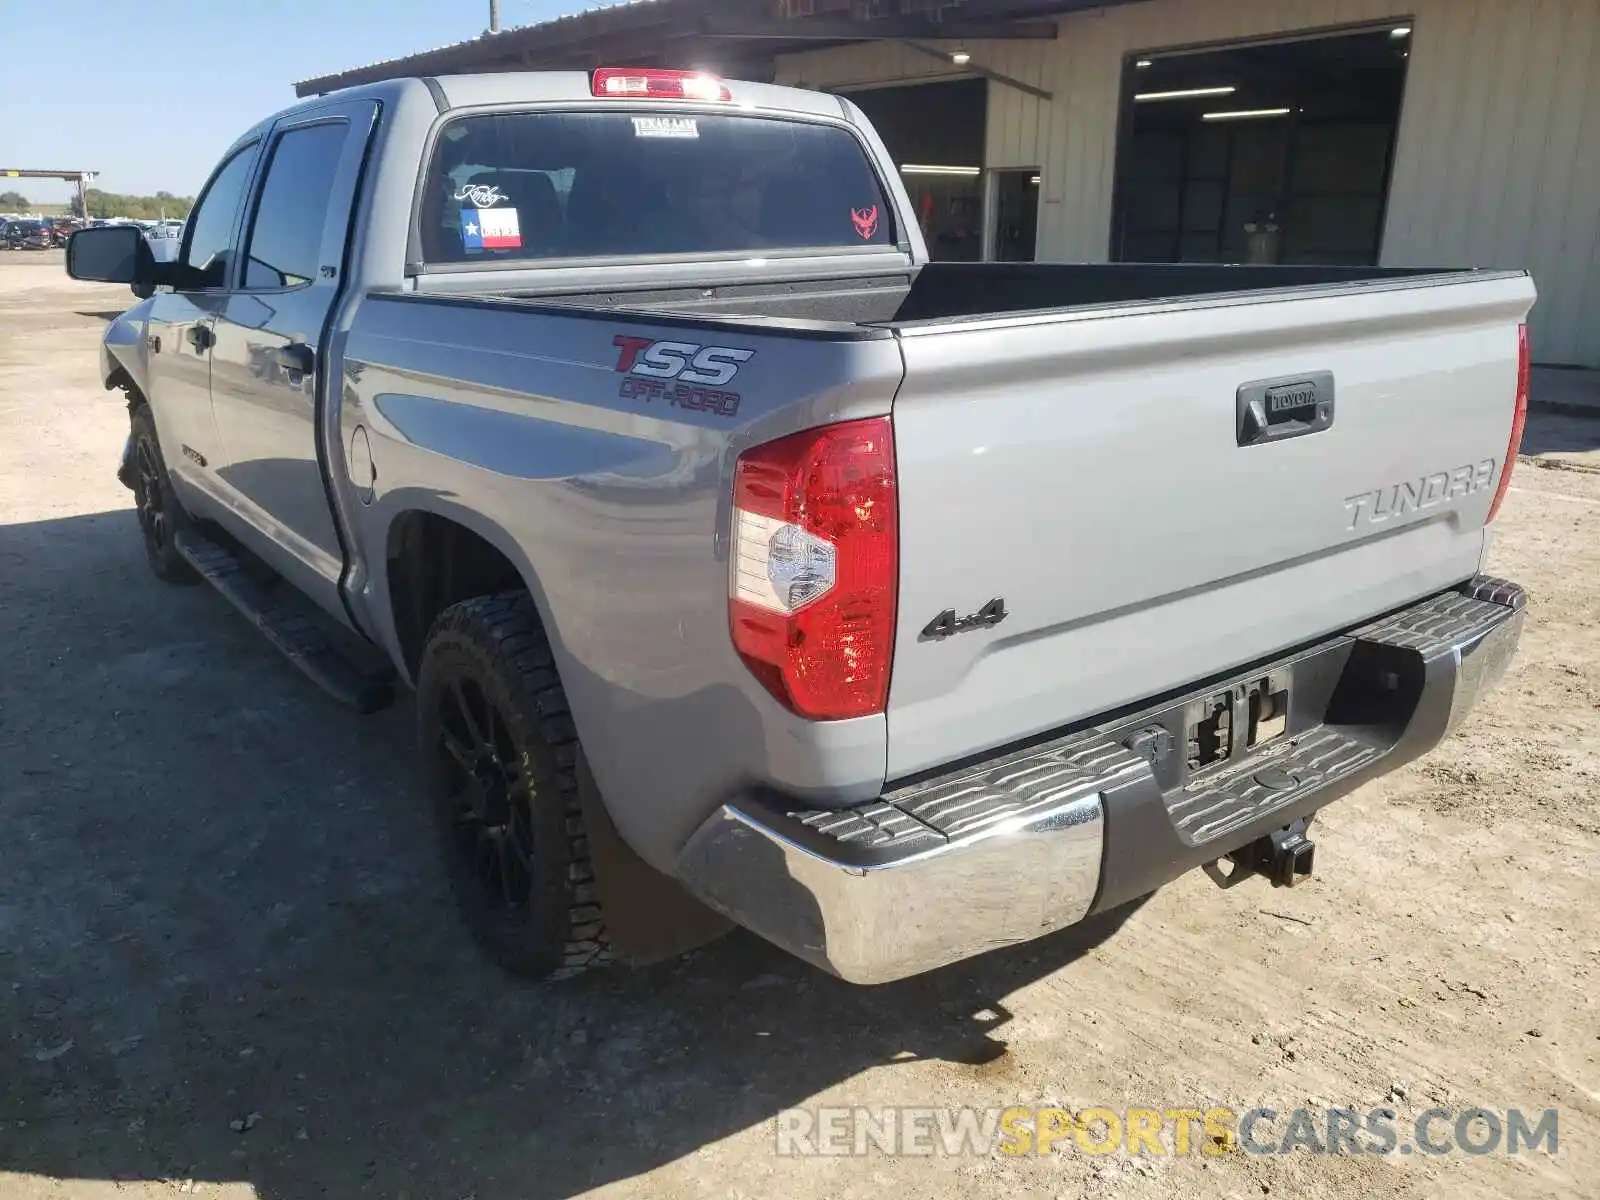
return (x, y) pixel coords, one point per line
(1499, 152)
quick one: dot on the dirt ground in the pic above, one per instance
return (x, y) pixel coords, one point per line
(228, 966)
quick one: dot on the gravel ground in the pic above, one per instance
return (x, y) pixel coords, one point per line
(228, 966)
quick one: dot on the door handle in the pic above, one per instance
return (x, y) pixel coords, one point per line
(201, 338)
(297, 358)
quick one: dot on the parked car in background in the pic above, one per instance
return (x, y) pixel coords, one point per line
(62, 228)
(27, 234)
(164, 238)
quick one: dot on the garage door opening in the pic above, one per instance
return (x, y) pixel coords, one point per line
(935, 132)
(1275, 153)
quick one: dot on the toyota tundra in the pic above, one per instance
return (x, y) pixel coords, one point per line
(746, 565)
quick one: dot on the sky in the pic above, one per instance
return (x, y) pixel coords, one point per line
(151, 95)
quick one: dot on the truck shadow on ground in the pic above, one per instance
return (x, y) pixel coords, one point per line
(228, 953)
(1552, 432)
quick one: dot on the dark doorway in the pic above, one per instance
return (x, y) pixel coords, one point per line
(1016, 215)
(1275, 153)
(935, 132)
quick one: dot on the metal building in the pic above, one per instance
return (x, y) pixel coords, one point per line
(1400, 132)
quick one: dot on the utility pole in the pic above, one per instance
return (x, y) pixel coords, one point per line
(494, 16)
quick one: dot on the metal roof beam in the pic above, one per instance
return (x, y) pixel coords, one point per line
(10, 173)
(888, 29)
(1016, 10)
(974, 68)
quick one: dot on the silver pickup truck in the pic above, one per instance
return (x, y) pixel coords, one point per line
(746, 565)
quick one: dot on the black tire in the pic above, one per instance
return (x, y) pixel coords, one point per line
(160, 514)
(499, 756)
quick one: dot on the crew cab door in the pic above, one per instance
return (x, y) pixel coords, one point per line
(268, 373)
(181, 328)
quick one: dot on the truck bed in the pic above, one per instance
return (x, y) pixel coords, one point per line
(957, 291)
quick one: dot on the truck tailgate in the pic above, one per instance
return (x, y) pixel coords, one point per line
(1087, 469)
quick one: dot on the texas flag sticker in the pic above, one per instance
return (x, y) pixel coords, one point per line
(490, 229)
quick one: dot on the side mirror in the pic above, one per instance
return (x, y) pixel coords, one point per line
(114, 254)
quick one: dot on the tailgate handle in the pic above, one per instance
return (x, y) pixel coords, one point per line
(1275, 410)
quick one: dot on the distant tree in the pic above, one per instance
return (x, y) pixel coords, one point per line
(14, 202)
(141, 208)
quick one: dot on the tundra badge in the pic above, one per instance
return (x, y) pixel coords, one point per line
(1419, 495)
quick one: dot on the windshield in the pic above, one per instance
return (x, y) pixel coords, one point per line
(523, 186)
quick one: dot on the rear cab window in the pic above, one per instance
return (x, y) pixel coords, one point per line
(534, 186)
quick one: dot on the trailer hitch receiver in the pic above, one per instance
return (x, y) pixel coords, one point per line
(1285, 856)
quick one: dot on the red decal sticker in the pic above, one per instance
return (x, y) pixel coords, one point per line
(629, 348)
(866, 221)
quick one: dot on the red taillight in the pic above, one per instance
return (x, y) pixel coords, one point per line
(621, 83)
(816, 550)
(1519, 419)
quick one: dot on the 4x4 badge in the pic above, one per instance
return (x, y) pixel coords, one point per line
(947, 624)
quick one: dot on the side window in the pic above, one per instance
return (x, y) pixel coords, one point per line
(210, 245)
(285, 243)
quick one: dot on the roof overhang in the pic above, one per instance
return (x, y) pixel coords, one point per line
(733, 34)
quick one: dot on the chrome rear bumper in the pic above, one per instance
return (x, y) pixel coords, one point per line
(915, 880)
(1036, 839)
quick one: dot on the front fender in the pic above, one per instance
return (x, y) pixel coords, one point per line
(124, 354)
(124, 363)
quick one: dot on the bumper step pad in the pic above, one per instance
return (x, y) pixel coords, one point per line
(914, 819)
(1447, 620)
(1219, 805)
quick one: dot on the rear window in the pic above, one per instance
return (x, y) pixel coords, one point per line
(529, 186)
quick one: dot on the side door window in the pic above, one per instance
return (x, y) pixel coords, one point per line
(208, 250)
(284, 247)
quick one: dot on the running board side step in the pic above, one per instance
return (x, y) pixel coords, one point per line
(290, 623)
